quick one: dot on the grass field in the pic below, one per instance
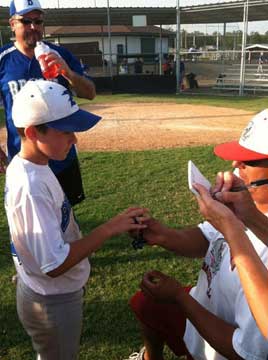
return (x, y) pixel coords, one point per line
(114, 181)
(246, 102)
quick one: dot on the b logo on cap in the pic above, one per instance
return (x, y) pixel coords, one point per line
(30, 2)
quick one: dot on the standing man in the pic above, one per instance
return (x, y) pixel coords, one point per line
(18, 65)
(261, 61)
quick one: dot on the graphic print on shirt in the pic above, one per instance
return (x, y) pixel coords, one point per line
(212, 261)
(16, 85)
(65, 214)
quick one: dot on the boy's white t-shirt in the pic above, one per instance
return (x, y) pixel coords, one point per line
(219, 290)
(42, 225)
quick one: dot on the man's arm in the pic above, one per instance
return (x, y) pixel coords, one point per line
(253, 275)
(83, 87)
(188, 242)
(217, 332)
(252, 272)
(214, 330)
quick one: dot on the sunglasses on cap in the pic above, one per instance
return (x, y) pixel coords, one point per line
(28, 21)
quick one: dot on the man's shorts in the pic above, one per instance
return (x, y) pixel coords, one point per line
(165, 319)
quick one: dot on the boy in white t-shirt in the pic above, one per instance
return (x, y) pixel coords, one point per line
(49, 252)
(211, 321)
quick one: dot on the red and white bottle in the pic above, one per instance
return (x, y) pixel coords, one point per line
(41, 51)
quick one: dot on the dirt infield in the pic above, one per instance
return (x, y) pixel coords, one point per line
(132, 126)
(155, 126)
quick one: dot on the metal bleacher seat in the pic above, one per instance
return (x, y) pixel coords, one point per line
(254, 81)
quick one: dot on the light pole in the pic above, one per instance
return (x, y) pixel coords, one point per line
(243, 52)
(178, 46)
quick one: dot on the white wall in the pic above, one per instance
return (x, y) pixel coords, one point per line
(133, 44)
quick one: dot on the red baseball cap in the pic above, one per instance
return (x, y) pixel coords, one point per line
(253, 143)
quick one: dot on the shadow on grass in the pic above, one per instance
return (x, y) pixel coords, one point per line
(13, 338)
(109, 326)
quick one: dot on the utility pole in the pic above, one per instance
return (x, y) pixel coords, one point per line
(178, 43)
(110, 39)
(243, 52)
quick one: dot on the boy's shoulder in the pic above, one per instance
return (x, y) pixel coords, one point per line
(28, 171)
(34, 180)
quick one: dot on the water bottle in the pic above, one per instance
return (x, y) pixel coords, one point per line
(41, 51)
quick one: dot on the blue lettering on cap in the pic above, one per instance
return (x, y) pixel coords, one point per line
(30, 2)
(66, 92)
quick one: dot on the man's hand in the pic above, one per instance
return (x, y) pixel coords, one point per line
(160, 287)
(83, 87)
(217, 213)
(240, 202)
(155, 233)
(226, 180)
(54, 58)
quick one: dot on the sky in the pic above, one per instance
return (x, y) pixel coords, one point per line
(260, 26)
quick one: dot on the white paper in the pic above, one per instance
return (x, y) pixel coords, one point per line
(195, 176)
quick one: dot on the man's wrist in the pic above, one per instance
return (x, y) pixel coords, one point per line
(71, 77)
(181, 296)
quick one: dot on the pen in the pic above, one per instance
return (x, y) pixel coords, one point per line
(253, 184)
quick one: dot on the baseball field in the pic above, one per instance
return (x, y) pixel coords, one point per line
(137, 154)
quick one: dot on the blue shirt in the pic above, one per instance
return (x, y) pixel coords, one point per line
(15, 70)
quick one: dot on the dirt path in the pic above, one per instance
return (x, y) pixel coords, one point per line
(132, 126)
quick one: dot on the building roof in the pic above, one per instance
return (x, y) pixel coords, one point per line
(257, 46)
(96, 30)
(199, 14)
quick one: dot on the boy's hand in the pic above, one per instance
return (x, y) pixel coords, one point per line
(160, 287)
(126, 221)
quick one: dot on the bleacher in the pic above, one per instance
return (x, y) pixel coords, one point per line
(254, 81)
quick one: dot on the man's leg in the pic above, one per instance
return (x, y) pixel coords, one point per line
(160, 324)
(154, 344)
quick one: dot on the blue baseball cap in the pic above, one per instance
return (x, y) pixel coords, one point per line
(21, 7)
(46, 102)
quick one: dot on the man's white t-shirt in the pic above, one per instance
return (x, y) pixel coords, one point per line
(219, 290)
(42, 226)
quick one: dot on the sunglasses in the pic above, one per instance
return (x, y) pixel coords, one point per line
(257, 163)
(28, 21)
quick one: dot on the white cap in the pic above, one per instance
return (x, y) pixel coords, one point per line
(253, 143)
(21, 7)
(46, 102)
